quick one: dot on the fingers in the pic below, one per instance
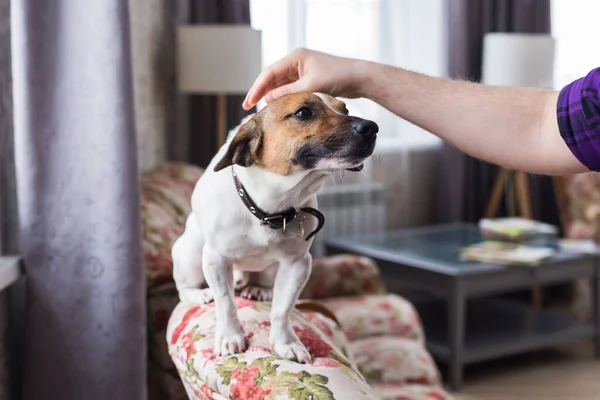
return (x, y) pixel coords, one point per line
(293, 87)
(282, 72)
(267, 81)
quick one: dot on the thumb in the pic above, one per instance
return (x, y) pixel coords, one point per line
(297, 86)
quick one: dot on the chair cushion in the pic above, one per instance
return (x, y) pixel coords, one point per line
(330, 329)
(411, 392)
(394, 359)
(343, 275)
(583, 214)
(365, 316)
(258, 371)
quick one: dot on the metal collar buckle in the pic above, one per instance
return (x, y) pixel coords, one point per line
(268, 220)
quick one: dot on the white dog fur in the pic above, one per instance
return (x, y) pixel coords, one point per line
(224, 246)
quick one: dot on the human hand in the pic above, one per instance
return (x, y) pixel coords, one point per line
(307, 71)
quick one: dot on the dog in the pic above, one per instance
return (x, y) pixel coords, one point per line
(254, 213)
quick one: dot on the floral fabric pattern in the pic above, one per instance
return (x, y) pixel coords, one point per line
(343, 275)
(366, 316)
(166, 193)
(330, 329)
(411, 392)
(582, 221)
(184, 366)
(258, 373)
(394, 359)
(583, 193)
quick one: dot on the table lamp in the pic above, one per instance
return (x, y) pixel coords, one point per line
(218, 60)
(524, 60)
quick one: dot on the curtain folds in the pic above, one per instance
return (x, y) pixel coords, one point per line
(79, 201)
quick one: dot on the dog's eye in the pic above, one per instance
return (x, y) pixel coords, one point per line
(303, 113)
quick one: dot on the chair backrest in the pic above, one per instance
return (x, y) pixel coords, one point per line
(166, 193)
(580, 207)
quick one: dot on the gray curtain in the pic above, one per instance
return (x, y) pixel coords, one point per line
(466, 183)
(79, 202)
(196, 137)
(9, 340)
(8, 199)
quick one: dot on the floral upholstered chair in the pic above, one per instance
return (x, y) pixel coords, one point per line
(578, 197)
(366, 344)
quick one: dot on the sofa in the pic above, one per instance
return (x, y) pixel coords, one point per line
(366, 343)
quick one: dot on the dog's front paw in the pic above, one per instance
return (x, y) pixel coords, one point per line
(294, 351)
(257, 293)
(240, 279)
(196, 296)
(287, 345)
(230, 342)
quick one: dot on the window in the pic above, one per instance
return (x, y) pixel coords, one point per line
(389, 31)
(574, 26)
(355, 31)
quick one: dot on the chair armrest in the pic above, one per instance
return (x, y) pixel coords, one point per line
(258, 372)
(343, 275)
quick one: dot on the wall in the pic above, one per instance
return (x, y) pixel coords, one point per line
(153, 58)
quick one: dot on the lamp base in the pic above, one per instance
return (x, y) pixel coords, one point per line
(520, 190)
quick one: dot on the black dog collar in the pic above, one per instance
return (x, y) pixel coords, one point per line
(277, 220)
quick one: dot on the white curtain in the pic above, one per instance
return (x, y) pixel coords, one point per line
(406, 33)
(573, 25)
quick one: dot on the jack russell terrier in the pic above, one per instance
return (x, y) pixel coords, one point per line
(254, 213)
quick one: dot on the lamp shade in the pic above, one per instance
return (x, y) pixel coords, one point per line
(515, 59)
(217, 59)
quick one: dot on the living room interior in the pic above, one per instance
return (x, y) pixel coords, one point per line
(436, 275)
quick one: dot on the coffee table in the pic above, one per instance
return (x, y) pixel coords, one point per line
(460, 332)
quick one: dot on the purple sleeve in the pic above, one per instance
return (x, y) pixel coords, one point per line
(578, 113)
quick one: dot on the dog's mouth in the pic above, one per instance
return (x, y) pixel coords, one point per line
(357, 168)
(338, 153)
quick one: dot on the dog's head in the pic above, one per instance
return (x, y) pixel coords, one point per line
(299, 132)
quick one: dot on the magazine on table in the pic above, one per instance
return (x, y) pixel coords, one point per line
(506, 253)
(515, 229)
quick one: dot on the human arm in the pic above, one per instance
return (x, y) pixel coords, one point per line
(512, 127)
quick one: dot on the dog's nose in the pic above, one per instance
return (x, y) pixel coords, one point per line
(365, 128)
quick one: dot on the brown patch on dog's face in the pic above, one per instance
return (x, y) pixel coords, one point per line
(302, 131)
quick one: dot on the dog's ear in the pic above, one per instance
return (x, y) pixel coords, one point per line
(243, 147)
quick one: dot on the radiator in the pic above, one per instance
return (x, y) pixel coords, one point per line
(350, 209)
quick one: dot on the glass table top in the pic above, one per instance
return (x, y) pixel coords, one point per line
(435, 248)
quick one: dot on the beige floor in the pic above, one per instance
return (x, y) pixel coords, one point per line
(570, 373)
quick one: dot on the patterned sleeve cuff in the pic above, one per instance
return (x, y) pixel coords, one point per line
(578, 114)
